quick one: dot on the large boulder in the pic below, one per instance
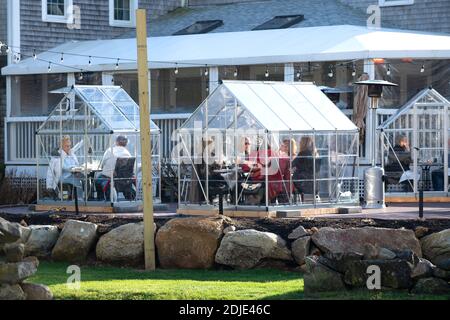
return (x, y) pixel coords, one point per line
(41, 241)
(356, 239)
(431, 286)
(436, 248)
(36, 291)
(14, 292)
(13, 273)
(123, 245)
(300, 249)
(320, 278)
(339, 261)
(244, 249)
(394, 273)
(189, 243)
(75, 241)
(9, 232)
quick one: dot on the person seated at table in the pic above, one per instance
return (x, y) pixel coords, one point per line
(398, 165)
(437, 176)
(60, 170)
(263, 163)
(288, 150)
(109, 160)
(304, 165)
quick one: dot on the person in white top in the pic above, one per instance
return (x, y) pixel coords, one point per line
(109, 164)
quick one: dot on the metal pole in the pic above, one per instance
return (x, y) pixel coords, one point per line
(144, 113)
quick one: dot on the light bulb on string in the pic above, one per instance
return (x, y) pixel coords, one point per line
(62, 57)
(388, 72)
(8, 49)
(330, 72)
(80, 77)
(235, 73)
(267, 74)
(34, 54)
(117, 64)
(354, 71)
(207, 89)
(206, 71)
(175, 89)
(90, 60)
(49, 67)
(176, 70)
(422, 70)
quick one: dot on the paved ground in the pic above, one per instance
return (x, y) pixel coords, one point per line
(392, 212)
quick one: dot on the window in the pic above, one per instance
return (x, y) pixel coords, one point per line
(281, 22)
(122, 13)
(59, 11)
(200, 27)
(391, 3)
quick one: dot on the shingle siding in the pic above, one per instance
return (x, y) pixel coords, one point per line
(423, 15)
(41, 35)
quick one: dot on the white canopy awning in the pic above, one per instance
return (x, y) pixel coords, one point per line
(327, 43)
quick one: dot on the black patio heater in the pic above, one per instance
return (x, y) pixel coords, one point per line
(374, 176)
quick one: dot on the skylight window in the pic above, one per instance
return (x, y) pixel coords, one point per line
(200, 27)
(280, 22)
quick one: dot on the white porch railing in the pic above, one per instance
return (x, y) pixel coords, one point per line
(21, 141)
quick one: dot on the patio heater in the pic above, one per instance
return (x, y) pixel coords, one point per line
(374, 176)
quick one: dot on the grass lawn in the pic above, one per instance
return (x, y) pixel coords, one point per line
(108, 283)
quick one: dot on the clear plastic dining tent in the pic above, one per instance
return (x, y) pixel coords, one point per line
(259, 145)
(90, 126)
(415, 145)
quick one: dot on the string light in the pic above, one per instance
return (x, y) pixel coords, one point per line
(49, 67)
(235, 73)
(422, 70)
(62, 57)
(206, 71)
(330, 72)
(34, 54)
(90, 60)
(176, 70)
(388, 72)
(267, 74)
(354, 70)
(175, 89)
(117, 64)
(80, 76)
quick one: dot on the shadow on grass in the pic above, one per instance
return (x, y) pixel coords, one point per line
(52, 273)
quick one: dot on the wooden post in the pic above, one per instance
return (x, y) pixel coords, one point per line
(146, 152)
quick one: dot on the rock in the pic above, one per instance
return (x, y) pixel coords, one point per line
(298, 232)
(33, 260)
(189, 243)
(300, 249)
(320, 278)
(313, 250)
(75, 241)
(394, 273)
(9, 232)
(122, 245)
(408, 256)
(436, 248)
(313, 230)
(339, 261)
(422, 269)
(355, 239)
(442, 274)
(244, 249)
(13, 273)
(14, 252)
(386, 254)
(26, 232)
(36, 291)
(13, 292)
(229, 229)
(41, 241)
(370, 252)
(420, 231)
(431, 286)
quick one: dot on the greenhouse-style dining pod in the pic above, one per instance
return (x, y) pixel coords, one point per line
(415, 146)
(267, 145)
(88, 150)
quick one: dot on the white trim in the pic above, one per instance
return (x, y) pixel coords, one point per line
(13, 26)
(393, 3)
(134, 4)
(170, 116)
(67, 18)
(25, 119)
